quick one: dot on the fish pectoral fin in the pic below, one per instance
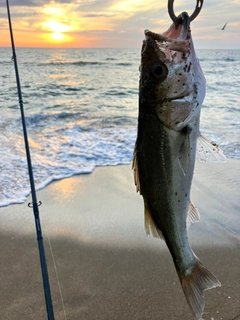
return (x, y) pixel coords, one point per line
(208, 151)
(193, 214)
(182, 165)
(150, 226)
(183, 155)
(194, 284)
(135, 170)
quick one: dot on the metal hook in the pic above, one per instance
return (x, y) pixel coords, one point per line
(176, 20)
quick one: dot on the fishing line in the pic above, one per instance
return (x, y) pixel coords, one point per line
(35, 203)
(58, 281)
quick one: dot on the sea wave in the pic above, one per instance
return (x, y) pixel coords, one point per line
(83, 63)
(81, 109)
(63, 152)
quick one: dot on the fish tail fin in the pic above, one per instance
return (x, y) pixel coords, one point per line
(194, 284)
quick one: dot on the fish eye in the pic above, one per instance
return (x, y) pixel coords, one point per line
(160, 71)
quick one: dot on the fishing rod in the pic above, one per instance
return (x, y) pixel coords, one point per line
(35, 204)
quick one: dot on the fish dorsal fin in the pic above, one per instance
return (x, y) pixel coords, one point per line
(150, 226)
(208, 151)
(193, 214)
(135, 171)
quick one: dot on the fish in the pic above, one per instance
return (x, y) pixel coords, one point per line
(172, 88)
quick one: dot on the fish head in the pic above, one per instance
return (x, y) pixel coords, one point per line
(172, 82)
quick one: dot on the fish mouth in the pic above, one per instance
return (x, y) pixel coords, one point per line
(173, 46)
(174, 39)
(181, 30)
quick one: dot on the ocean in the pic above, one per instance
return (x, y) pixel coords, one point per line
(81, 108)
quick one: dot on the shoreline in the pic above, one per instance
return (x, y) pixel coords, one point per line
(40, 189)
(107, 267)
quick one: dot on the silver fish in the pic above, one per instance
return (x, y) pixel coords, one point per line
(171, 92)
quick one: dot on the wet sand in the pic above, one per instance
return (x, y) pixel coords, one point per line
(106, 266)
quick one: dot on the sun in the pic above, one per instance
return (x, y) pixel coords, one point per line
(58, 36)
(57, 30)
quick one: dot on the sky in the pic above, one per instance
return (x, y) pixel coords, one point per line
(114, 23)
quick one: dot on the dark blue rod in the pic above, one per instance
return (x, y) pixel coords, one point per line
(35, 204)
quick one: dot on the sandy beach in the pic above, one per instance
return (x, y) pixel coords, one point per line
(102, 265)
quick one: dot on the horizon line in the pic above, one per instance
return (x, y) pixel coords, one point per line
(20, 47)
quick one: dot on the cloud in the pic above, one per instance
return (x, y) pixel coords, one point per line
(23, 3)
(116, 19)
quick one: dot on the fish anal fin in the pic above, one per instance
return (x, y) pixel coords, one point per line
(209, 151)
(135, 171)
(150, 226)
(194, 284)
(193, 214)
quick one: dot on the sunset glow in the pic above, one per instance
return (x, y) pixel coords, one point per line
(57, 30)
(55, 26)
(89, 23)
